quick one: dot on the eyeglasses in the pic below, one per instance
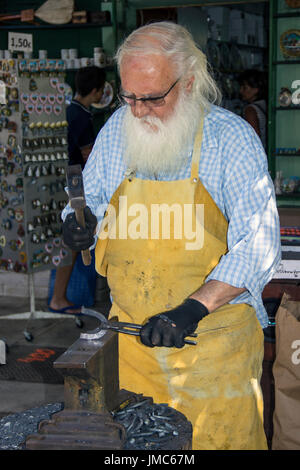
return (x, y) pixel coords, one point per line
(150, 102)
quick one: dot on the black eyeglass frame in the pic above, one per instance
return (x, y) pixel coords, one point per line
(151, 100)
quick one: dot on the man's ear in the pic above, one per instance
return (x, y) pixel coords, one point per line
(189, 84)
(94, 91)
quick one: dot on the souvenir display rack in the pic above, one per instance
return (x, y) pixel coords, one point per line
(83, 37)
(33, 160)
(284, 102)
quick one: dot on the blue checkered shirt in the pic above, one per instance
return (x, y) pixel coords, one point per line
(233, 168)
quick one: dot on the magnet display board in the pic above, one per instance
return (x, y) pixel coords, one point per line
(33, 161)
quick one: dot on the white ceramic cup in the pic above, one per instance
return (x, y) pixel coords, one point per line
(73, 53)
(100, 59)
(64, 53)
(70, 63)
(43, 54)
(77, 63)
(85, 61)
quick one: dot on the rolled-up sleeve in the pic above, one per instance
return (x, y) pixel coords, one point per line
(253, 236)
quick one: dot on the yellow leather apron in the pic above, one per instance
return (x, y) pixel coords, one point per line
(215, 384)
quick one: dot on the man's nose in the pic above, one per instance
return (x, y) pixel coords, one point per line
(139, 110)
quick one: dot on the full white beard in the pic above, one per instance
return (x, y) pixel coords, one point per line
(154, 147)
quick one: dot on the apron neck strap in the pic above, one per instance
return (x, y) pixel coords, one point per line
(196, 153)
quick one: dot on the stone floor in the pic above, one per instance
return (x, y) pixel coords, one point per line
(47, 330)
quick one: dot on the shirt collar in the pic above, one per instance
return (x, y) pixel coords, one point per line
(209, 132)
(81, 106)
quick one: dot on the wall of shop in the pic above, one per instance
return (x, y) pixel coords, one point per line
(234, 36)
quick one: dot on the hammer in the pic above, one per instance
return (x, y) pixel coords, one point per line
(77, 201)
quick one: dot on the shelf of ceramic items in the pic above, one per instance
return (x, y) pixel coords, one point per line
(16, 27)
(288, 196)
(287, 108)
(286, 62)
(286, 154)
(293, 14)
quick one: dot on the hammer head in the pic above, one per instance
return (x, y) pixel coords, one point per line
(75, 187)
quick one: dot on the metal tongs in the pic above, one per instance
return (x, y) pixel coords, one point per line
(120, 327)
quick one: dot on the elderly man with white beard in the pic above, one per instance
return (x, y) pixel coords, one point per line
(167, 160)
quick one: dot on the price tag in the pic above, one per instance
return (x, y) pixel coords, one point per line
(20, 42)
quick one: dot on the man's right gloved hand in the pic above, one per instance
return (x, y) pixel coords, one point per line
(76, 237)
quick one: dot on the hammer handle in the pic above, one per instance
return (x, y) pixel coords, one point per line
(86, 254)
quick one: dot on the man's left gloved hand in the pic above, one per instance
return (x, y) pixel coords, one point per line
(170, 328)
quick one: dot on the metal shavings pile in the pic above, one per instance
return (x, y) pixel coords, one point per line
(16, 427)
(148, 426)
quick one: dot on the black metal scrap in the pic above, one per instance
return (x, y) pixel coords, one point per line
(148, 425)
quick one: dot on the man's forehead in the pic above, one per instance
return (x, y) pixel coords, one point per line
(149, 72)
(152, 64)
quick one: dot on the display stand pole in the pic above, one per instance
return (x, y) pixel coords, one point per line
(2, 351)
(36, 315)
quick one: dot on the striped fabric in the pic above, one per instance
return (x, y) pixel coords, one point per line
(233, 169)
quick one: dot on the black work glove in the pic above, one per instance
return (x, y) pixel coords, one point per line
(170, 328)
(76, 237)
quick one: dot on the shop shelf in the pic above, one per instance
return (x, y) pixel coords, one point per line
(17, 27)
(286, 62)
(286, 154)
(287, 108)
(288, 196)
(293, 14)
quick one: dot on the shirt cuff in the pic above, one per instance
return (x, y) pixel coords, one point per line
(233, 271)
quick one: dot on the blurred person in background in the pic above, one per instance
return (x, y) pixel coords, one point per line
(253, 90)
(89, 85)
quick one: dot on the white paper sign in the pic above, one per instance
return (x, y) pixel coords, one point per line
(288, 269)
(20, 42)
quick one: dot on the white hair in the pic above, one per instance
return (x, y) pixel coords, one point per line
(176, 44)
